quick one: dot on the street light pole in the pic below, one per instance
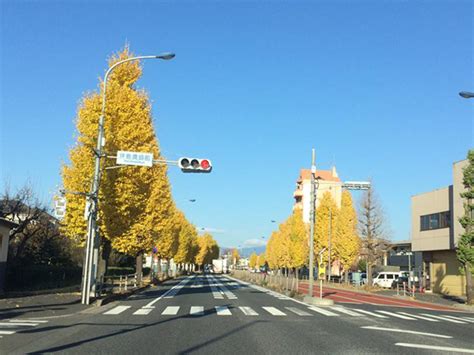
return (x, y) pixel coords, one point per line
(92, 241)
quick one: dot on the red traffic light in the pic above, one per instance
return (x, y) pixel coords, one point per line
(195, 165)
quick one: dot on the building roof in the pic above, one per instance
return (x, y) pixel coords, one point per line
(305, 174)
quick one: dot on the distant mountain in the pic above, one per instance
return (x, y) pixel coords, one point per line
(245, 252)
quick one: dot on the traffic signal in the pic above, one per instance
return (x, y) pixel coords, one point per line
(194, 165)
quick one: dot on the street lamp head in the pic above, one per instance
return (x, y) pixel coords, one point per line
(466, 94)
(166, 56)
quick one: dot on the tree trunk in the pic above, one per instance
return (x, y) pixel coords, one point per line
(106, 250)
(469, 290)
(346, 276)
(139, 267)
(369, 273)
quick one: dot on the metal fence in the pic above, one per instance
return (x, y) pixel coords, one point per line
(118, 284)
(279, 282)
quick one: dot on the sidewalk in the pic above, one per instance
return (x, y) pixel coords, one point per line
(39, 306)
(435, 298)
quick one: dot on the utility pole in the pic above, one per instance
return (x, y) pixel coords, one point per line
(329, 244)
(311, 222)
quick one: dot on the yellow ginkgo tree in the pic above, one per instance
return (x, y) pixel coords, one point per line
(136, 211)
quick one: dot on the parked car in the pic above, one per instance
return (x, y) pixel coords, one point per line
(385, 279)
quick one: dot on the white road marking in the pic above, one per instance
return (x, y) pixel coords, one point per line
(369, 313)
(432, 347)
(28, 320)
(274, 311)
(420, 317)
(323, 311)
(6, 332)
(223, 289)
(298, 311)
(407, 331)
(143, 311)
(222, 311)
(468, 318)
(459, 318)
(196, 311)
(396, 315)
(346, 311)
(446, 319)
(248, 311)
(170, 311)
(180, 286)
(117, 310)
(15, 324)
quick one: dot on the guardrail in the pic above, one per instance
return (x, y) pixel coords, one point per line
(280, 282)
(406, 290)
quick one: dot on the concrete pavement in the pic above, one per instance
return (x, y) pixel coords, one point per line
(212, 313)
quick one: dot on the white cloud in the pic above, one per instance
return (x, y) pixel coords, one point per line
(254, 242)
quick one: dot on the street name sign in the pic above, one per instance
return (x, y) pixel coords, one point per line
(134, 158)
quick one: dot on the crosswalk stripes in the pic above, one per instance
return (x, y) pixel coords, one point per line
(117, 310)
(419, 317)
(143, 311)
(346, 311)
(444, 318)
(396, 315)
(12, 326)
(373, 314)
(298, 311)
(248, 311)
(170, 311)
(274, 311)
(466, 319)
(333, 311)
(196, 311)
(222, 311)
(323, 311)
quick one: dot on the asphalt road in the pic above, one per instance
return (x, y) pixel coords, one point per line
(211, 314)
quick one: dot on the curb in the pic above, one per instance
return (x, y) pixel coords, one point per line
(118, 296)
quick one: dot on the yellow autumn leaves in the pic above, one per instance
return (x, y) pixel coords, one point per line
(289, 246)
(136, 210)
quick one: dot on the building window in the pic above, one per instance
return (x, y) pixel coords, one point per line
(435, 221)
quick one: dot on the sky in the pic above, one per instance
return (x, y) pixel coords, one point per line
(371, 85)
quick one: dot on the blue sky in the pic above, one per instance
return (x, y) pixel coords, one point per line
(372, 85)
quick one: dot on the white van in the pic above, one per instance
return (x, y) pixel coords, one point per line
(385, 278)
